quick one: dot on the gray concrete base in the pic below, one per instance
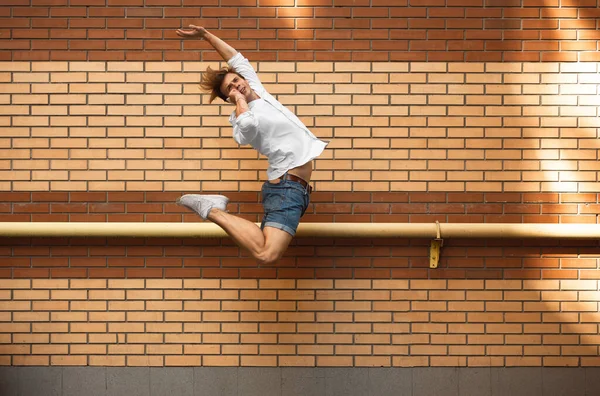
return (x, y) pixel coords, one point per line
(254, 381)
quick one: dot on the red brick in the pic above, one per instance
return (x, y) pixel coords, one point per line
(144, 272)
(144, 56)
(464, 3)
(119, 218)
(106, 34)
(142, 34)
(424, 23)
(560, 274)
(523, 35)
(88, 217)
(174, 3)
(68, 250)
(127, 23)
(164, 262)
(69, 273)
(87, 197)
(107, 250)
(28, 55)
(50, 217)
(505, 45)
(183, 273)
(49, 44)
(15, 22)
(403, 12)
(125, 262)
(16, 45)
(503, 3)
(87, 262)
(68, 56)
(87, 23)
(201, 262)
(16, 196)
(100, 3)
(579, 197)
(381, 45)
(522, 274)
(29, 33)
(346, 197)
(49, 196)
(15, 262)
(69, 207)
(67, 12)
(31, 251)
(106, 273)
(314, 3)
(31, 273)
(446, 12)
(559, 57)
(578, 46)
(31, 208)
(49, 261)
(521, 56)
(465, 45)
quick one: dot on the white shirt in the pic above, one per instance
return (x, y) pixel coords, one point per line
(271, 128)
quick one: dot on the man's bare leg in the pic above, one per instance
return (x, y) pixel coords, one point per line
(266, 245)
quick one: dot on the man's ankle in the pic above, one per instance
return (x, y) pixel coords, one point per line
(212, 212)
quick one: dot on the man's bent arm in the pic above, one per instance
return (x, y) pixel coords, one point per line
(241, 106)
(245, 124)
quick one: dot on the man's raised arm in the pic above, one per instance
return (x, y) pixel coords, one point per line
(225, 50)
(240, 64)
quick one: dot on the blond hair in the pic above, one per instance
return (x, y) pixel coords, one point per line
(213, 79)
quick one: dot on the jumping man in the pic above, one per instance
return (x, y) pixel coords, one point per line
(262, 122)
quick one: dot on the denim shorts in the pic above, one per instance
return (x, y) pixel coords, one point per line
(284, 204)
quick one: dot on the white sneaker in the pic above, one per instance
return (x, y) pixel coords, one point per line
(202, 204)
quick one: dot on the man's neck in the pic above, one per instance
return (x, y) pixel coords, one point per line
(253, 96)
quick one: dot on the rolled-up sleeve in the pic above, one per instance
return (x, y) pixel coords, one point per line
(242, 65)
(245, 127)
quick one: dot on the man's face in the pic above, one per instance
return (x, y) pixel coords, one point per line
(233, 81)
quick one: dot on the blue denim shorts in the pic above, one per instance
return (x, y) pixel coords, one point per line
(284, 204)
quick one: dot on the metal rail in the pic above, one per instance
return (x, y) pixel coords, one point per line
(335, 230)
(434, 231)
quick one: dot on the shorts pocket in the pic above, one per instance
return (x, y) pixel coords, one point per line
(272, 199)
(306, 203)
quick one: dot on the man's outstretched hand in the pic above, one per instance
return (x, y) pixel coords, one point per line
(193, 32)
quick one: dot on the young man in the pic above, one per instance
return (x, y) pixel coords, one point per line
(264, 123)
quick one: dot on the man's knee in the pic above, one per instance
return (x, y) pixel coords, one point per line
(276, 243)
(269, 257)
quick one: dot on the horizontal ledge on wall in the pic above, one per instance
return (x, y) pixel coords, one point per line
(331, 230)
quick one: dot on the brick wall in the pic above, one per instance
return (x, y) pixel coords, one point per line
(450, 111)
(300, 322)
(304, 30)
(430, 127)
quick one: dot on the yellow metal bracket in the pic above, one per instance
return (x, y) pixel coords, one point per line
(434, 249)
